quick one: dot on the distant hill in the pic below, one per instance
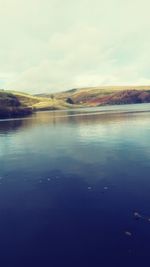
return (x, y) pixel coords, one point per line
(96, 96)
(13, 104)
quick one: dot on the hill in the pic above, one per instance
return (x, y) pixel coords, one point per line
(97, 96)
(10, 106)
(16, 104)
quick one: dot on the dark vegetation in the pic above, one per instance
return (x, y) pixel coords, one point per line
(10, 106)
(123, 97)
(69, 100)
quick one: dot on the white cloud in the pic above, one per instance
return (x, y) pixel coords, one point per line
(56, 45)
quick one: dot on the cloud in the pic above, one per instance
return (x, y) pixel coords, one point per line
(71, 57)
(57, 45)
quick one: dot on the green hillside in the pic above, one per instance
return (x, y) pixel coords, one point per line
(16, 104)
(95, 96)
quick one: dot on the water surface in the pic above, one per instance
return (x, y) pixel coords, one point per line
(70, 183)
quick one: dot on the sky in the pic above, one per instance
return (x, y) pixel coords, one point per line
(55, 45)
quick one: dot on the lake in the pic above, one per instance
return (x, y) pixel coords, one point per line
(75, 188)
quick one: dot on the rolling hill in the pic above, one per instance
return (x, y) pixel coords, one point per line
(97, 96)
(16, 104)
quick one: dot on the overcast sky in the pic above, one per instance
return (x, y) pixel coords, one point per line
(52, 45)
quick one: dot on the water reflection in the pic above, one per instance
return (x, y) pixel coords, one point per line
(80, 116)
(69, 186)
(10, 126)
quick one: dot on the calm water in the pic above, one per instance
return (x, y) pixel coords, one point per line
(70, 183)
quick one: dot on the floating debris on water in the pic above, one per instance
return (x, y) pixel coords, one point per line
(137, 215)
(89, 187)
(128, 233)
(48, 179)
(105, 187)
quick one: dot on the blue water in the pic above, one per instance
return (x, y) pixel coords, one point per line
(70, 184)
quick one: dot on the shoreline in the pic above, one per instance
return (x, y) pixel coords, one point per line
(86, 111)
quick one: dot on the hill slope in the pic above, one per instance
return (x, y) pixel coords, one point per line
(14, 103)
(97, 96)
(10, 106)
